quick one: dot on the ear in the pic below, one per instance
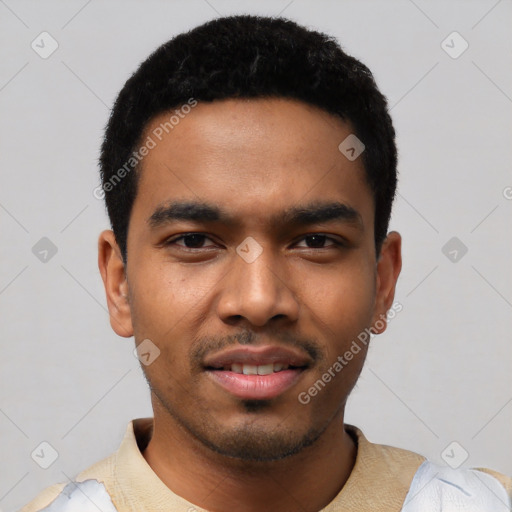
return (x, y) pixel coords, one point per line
(389, 265)
(111, 265)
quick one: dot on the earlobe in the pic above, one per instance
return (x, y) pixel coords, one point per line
(388, 269)
(111, 266)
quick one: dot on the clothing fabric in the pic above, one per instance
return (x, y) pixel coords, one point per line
(455, 490)
(382, 479)
(87, 496)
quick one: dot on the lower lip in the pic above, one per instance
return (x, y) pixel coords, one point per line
(255, 387)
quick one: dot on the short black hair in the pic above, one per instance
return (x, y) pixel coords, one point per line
(247, 56)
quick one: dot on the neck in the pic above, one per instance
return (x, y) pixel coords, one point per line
(308, 481)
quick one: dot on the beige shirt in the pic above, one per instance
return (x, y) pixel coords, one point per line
(379, 481)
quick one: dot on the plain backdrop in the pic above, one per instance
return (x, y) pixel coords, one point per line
(442, 371)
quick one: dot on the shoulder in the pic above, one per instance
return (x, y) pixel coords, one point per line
(99, 479)
(442, 488)
(42, 499)
(408, 482)
(86, 496)
(62, 495)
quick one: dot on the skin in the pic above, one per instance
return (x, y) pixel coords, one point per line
(253, 158)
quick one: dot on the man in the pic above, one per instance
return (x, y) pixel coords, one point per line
(249, 169)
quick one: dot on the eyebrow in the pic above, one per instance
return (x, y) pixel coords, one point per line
(312, 213)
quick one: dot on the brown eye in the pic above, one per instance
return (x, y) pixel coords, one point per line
(190, 241)
(317, 241)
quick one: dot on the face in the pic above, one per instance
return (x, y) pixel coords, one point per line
(252, 268)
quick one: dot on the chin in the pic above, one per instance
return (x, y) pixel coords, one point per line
(251, 442)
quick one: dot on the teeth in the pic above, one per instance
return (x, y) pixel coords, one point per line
(237, 368)
(252, 369)
(265, 369)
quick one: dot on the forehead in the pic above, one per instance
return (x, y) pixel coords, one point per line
(252, 157)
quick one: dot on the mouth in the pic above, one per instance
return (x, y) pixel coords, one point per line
(256, 369)
(257, 373)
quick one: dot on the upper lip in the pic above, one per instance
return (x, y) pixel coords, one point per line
(257, 356)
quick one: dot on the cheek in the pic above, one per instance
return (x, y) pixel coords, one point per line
(343, 305)
(169, 307)
(164, 296)
(346, 287)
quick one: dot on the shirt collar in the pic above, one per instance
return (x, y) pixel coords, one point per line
(380, 479)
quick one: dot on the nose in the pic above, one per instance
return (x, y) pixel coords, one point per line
(257, 292)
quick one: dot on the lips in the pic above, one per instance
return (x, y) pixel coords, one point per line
(257, 373)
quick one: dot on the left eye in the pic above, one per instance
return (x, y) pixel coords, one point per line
(317, 241)
(191, 240)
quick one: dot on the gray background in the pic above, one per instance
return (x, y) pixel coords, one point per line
(441, 373)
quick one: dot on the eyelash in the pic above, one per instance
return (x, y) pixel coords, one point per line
(172, 241)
